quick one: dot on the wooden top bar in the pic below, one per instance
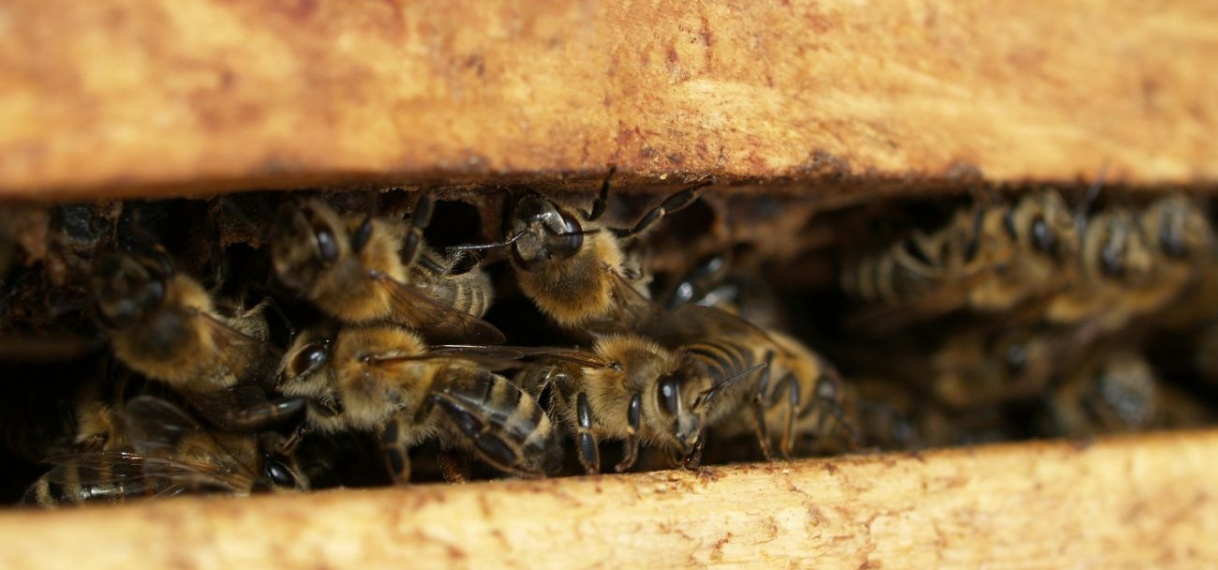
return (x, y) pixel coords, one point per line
(1122, 503)
(122, 97)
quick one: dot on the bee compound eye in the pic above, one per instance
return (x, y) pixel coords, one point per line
(280, 474)
(669, 395)
(327, 245)
(1016, 359)
(309, 359)
(1043, 237)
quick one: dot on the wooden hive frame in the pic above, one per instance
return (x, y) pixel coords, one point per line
(836, 99)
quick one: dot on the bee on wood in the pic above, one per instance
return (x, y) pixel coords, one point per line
(990, 259)
(166, 326)
(170, 453)
(796, 393)
(1115, 391)
(573, 266)
(975, 369)
(1116, 259)
(1182, 287)
(383, 379)
(363, 270)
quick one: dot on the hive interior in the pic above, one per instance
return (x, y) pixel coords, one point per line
(785, 244)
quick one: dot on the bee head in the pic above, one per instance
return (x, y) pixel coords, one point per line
(1182, 229)
(126, 288)
(1116, 249)
(307, 239)
(307, 372)
(542, 232)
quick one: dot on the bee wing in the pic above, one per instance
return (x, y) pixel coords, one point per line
(155, 425)
(244, 356)
(438, 322)
(499, 356)
(692, 323)
(103, 476)
(632, 310)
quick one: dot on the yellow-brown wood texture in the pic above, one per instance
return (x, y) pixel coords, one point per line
(1123, 503)
(105, 96)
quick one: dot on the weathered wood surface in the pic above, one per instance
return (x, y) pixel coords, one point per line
(127, 96)
(1123, 503)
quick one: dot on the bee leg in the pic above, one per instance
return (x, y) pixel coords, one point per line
(759, 407)
(633, 413)
(454, 467)
(488, 439)
(419, 221)
(828, 389)
(670, 205)
(794, 398)
(395, 447)
(694, 458)
(589, 451)
(254, 417)
(598, 205)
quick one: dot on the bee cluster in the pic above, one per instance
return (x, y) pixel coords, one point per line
(296, 342)
(1030, 318)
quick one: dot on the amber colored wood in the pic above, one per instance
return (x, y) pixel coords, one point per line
(1123, 503)
(108, 97)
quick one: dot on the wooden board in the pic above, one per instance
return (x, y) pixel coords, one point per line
(123, 97)
(1123, 503)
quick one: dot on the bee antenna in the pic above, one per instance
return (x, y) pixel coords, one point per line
(1093, 192)
(484, 246)
(705, 396)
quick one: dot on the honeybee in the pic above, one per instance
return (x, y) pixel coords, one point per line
(713, 281)
(1180, 234)
(1114, 391)
(976, 369)
(989, 259)
(1116, 260)
(382, 379)
(364, 270)
(164, 325)
(572, 266)
(798, 393)
(170, 454)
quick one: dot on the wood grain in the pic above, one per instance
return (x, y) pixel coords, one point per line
(121, 97)
(1121, 503)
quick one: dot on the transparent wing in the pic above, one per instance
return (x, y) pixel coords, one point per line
(437, 321)
(499, 356)
(244, 356)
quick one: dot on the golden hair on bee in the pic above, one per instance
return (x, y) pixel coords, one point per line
(573, 266)
(364, 270)
(383, 379)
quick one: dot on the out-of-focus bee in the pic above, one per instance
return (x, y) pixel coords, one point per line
(164, 325)
(573, 266)
(976, 369)
(170, 454)
(1114, 391)
(715, 281)
(1116, 260)
(989, 259)
(892, 416)
(364, 270)
(382, 379)
(1180, 234)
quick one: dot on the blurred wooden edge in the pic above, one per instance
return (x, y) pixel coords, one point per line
(1126, 502)
(123, 97)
